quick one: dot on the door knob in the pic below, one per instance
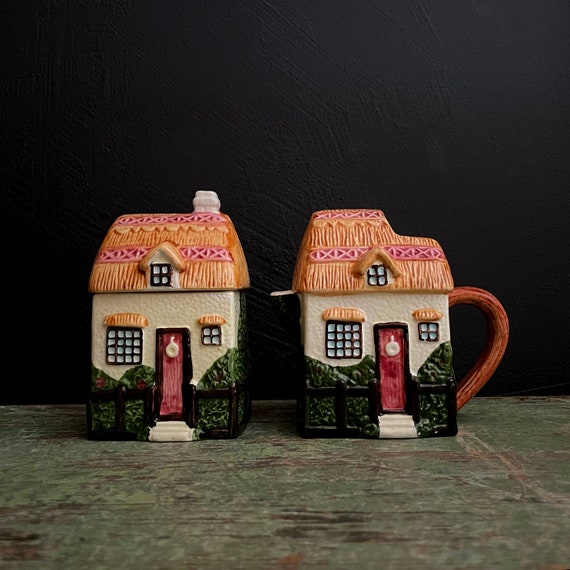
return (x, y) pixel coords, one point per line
(172, 349)
(392, 348)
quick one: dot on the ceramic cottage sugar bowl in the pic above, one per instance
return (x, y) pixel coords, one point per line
(169, 339)
(370, 309)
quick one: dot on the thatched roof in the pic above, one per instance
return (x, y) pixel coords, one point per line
(340, 245)
(203, 246)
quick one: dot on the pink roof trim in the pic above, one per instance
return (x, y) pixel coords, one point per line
(404, 252)
(337, 253)
(195, 253)
(192, 253)
(415, 252)
(348, 215)
(154, 219)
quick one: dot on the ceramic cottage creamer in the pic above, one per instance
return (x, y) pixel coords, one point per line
(169, 338)
(371, 309)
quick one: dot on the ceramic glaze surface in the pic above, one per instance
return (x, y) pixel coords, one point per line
(169, 310)
(373, 326)
(395, 308)
(170, 358)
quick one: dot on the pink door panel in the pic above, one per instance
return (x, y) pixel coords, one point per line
(171, 371)
(391, 350)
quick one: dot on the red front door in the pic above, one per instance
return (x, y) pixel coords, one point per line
(172, 372)
(391, 355)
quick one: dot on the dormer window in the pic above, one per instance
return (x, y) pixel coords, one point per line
(162, 266)
(161, 275)
(377, 275)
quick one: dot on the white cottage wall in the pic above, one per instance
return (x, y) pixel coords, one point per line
(378, 308)
(165, 310)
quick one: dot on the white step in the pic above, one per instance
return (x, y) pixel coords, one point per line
(397, 426)
(171, 431)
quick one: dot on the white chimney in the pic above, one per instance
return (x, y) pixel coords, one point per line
(206, 201)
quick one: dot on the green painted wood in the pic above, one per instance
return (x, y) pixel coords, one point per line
(495, 496)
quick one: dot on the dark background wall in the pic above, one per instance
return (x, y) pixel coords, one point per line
(451, 117)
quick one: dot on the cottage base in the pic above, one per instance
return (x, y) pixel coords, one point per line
(171, 431)
(397, 426)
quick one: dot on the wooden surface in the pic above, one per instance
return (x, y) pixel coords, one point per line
(495, 496)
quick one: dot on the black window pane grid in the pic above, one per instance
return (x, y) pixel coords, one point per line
(160, 275)
(377, 276)
(343, 339)
(428, 331)
(212, 335)
(124, 346)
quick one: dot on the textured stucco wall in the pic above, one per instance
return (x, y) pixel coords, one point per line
(166, 310)
(378, 308)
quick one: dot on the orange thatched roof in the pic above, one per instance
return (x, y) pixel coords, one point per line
(340, 245)
(203, 247)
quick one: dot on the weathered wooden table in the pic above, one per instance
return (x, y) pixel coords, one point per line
(495, 496)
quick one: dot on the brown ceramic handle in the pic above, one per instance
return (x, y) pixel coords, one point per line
(497, 338)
